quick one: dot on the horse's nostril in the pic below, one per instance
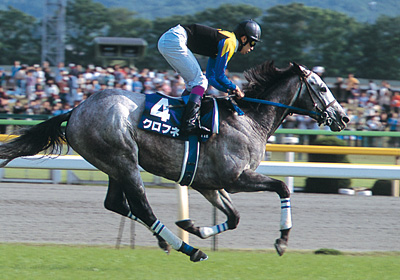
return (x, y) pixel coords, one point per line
(345, 119)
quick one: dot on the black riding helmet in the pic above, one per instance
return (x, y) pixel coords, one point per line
(250, 29)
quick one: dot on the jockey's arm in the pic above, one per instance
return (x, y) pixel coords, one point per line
(216, 67)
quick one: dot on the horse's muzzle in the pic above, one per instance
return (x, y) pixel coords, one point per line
(340, 123)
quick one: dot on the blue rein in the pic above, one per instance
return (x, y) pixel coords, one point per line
(280, 105)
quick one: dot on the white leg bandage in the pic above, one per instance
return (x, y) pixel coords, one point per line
(286, 214)
(166, 234)
(210, 231)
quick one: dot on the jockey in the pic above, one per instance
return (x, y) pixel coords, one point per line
(178, 44)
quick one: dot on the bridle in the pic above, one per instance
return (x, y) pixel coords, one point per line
(321, 115)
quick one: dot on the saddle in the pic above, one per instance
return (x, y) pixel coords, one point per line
(163, 114)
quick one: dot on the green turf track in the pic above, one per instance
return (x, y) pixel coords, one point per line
(74, 262)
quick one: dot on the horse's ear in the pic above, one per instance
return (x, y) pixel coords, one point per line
(297, 69)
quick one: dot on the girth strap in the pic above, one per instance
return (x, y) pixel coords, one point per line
(190, 160)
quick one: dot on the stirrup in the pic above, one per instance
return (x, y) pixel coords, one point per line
(196, 128)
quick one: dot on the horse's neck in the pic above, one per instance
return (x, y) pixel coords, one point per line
(270, 118)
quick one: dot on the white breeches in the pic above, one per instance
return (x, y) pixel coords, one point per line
(172, 45)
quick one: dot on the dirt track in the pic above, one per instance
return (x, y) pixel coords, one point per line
(45, 213)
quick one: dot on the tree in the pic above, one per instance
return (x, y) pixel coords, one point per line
(310, 36)
(20, 39)
(122, 23)
(85, 21)
(380, 45)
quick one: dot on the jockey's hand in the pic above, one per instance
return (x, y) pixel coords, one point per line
(238, 92)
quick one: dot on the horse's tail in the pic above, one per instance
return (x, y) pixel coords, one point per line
(46, 136)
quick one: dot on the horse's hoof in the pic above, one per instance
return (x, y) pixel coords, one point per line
(185, 224)
(198, 256)
(280, 246)
(164, 246)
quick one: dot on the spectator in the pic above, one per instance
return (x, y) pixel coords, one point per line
(395, 104)
(384, 119)
(374, 123)
(61, 108)
(372, 88)
(46, 108)
(73, 69)
(88, 75)
(177, 85)
(96, 86)
(385, 100)
(148, 87)
(34, 107)
(4, 108)
(15, 68)
(20, 80)
(72, 88)
(81, 80)
(59, 72)
(64, 92)
(363, 99)
(393, 121)
(19, 108)
(39, 74)
(51, 88)
(338, 90)
(128, 82)
(355, 93)
(30, 83)
(109, 78)
(3, 77)
(119, 74)
(39, 91)
(393, 124)
(352, 83)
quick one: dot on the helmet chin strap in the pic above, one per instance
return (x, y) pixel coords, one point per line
(241, 44)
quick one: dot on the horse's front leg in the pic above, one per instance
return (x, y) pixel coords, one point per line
(251, 181)
(221, 200)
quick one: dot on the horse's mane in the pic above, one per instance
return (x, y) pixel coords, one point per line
(263, 77)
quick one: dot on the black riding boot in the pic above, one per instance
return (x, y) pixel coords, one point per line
(191, 117)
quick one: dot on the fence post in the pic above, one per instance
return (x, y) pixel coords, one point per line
(55, 176)
(290, 157)
(395, 183)
(183, 210)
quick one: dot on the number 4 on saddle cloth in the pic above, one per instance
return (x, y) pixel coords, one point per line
(163, 114)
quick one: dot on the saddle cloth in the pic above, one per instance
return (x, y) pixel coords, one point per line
(163, 114)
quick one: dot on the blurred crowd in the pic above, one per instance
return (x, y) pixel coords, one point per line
(40, 89)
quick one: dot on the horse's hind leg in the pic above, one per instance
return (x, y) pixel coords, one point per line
(115, 201)
(221, 200)
(132, 187)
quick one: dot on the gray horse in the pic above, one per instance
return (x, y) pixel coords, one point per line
(104, 130)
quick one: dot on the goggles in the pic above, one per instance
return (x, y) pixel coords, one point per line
(252, 43)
